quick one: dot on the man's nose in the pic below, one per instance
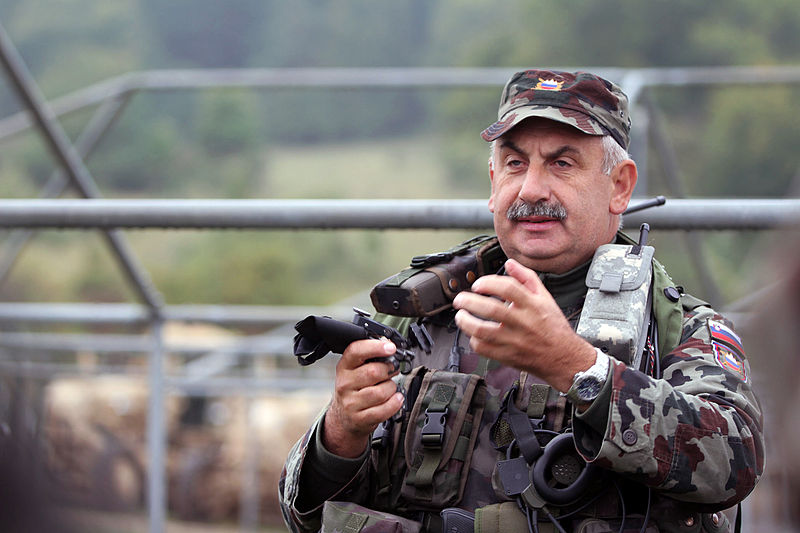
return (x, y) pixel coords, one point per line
(535, 186)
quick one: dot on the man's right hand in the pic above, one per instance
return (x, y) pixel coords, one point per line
(364, 396)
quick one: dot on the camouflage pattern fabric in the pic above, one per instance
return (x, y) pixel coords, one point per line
(694, 436)
(582, 100)
(696, 433)
(615, 308)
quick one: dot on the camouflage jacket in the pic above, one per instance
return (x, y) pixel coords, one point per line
(694, 436)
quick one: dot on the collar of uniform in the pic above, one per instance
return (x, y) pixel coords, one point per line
(568, 289)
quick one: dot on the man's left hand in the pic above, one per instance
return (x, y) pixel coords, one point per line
(513, 319)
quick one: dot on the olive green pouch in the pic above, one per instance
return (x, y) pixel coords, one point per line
(441, 434)
(347, 517)
(503, 517)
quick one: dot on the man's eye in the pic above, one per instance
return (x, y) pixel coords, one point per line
(561, 163)
(515, 163)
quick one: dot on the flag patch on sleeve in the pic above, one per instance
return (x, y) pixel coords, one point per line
(722, 333)
(728, 349)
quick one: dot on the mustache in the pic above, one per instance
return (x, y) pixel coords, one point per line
(523, 209)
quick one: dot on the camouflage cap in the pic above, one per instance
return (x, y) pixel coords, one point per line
(580, 99)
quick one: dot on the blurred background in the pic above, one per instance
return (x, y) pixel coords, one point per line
(75, 393)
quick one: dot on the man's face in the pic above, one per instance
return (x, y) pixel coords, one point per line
(562, 205)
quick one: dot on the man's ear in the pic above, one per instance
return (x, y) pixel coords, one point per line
(491, 183)
(623, 180)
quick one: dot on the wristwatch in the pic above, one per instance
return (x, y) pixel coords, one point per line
(587, 385)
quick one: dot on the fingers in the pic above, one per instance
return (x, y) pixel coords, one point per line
(364, 396)
(358, 352)
(354, 373)
(487, 307)
(526, 276)
(520, 282)
(370, 406)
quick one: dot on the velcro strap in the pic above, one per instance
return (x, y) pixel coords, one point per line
(611, 282)
(442, 395)
(355, 522)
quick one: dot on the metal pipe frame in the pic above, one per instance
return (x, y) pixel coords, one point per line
(277, 346)
(677, 214)
(134, 315)
(633, 82)
(102, 119)
(672, 180)
(72, 163)
(221, 386)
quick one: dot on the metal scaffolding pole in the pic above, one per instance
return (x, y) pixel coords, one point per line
(632, 80)
(138, 316)
(80, 178)
(156, 432)
(102, 119)
(669, 161)
(676, 214)
(58, 141)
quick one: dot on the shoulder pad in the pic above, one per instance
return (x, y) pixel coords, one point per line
(433, 280)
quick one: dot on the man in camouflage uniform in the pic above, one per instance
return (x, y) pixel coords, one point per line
(671, 442)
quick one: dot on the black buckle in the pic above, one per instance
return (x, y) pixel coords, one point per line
(433, 430)
(422, 261)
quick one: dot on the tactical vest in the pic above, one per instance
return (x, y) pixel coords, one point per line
(422, 463)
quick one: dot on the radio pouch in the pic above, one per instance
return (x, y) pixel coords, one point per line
(616, 311)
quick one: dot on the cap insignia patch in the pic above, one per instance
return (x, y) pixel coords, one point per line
(549, 85)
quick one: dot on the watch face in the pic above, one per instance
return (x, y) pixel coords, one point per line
(588, 388)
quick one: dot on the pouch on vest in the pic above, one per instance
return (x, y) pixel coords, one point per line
(616, 310)
(338, 517)
(429, 286)
(597, 525)
(505, 517)
(441, 434)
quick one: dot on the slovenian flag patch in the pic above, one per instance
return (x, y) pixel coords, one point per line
(728, 349)
(722, 333)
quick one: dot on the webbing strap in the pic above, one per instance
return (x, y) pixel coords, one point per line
(538, 400)
(462, 444)
(383, 470)
(399, 278)
(432, 456)
(430, 461)
(422, 261)
(521, 428)
(737, 528)
(483, 366)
